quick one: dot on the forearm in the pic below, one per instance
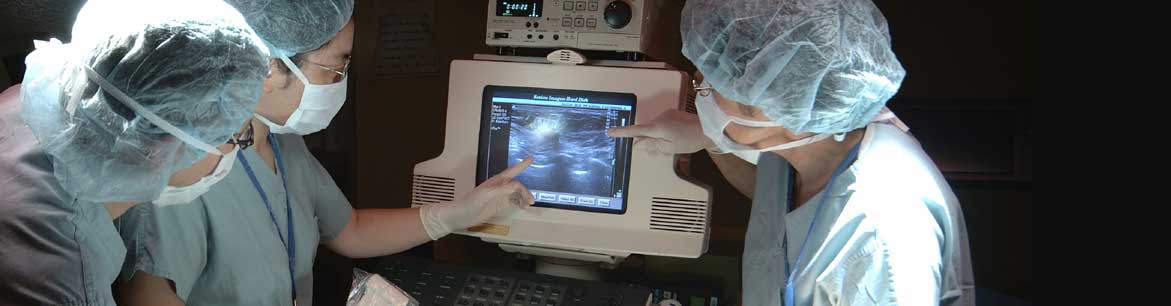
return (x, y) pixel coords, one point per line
(380, 232)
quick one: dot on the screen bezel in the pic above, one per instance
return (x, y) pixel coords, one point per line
(485, 132)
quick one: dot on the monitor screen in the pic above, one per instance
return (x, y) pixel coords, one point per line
(576, 165)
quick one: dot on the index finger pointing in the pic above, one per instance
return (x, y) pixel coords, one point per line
(516, 169)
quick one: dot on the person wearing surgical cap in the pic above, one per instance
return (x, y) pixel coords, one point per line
(847, 208)
(140, 107)
(251, 240)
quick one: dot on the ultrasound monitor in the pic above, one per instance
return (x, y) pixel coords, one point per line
(597, 197)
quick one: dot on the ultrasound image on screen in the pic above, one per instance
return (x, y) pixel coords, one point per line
(576, 165)
(570, 149)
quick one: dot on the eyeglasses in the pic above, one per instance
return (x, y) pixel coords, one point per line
(242, 139)
(701, 89)
(341, 74)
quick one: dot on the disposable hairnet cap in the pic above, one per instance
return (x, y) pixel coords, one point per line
(820, 66)
(196, 64)
(295, 26)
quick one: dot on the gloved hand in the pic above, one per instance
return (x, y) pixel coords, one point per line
(496, 195)
(672, 132)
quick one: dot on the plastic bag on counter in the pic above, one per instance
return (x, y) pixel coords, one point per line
(370, 289)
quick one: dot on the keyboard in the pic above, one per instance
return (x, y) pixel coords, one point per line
(438, 284)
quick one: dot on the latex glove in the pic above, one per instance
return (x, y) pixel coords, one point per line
(672, 132)
(496, 195)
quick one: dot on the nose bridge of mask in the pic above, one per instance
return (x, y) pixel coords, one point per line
(751, 123)
(150, 116)
(325, 97)
(720, 119)
(715, 109)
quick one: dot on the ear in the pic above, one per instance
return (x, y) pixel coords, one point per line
(277, 78)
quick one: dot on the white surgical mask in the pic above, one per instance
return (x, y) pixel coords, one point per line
(182, 195)
(714, 121)
(319, 103)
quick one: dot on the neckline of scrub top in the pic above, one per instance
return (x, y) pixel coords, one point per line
(254, 157)
(842, 167)
(286, 240)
